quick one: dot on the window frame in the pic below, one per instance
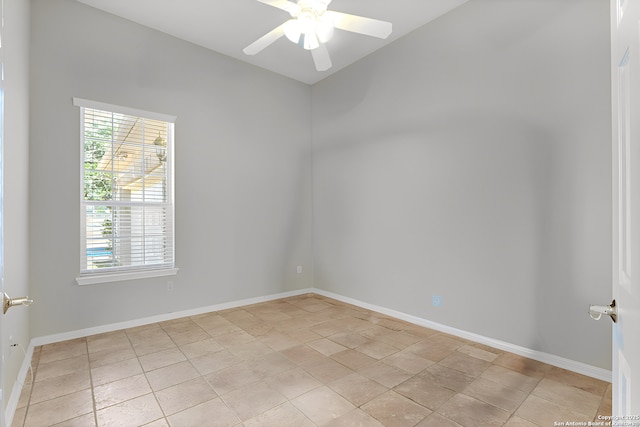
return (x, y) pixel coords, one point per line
(90, 277)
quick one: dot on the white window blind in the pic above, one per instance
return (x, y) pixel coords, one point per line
(127, 189)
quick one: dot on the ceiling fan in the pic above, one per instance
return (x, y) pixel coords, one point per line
(311, 26)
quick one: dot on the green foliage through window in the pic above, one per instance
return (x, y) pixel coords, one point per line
(98, 185)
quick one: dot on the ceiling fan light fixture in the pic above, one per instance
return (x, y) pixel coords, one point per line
(293, 30)
(311, 41)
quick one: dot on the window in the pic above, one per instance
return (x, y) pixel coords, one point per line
(127, 193)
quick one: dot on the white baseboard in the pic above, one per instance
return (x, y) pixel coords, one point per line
(561, 362)
(550, 359)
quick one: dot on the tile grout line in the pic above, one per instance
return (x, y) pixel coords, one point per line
(145, 377)
(93, 397)
(513, 414)
(166, 417)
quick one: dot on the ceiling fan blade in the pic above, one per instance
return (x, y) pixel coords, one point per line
(360, 24)
(292, 8)
(321, 57)
(264, 41)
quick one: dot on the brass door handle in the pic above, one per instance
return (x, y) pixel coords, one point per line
(12, 302)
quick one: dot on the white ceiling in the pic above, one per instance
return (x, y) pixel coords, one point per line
(228, 26)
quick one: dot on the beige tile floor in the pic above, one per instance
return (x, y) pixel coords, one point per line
(301, 361)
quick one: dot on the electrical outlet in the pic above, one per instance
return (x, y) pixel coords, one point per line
(169, 285)
(299, 269)
(436, 300)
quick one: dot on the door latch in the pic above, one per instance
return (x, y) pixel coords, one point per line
(611, 310)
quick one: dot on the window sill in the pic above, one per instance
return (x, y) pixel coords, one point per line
(93, 279)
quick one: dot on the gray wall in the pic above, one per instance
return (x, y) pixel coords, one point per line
(243, 202)
(471, 160)
(15, 324)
